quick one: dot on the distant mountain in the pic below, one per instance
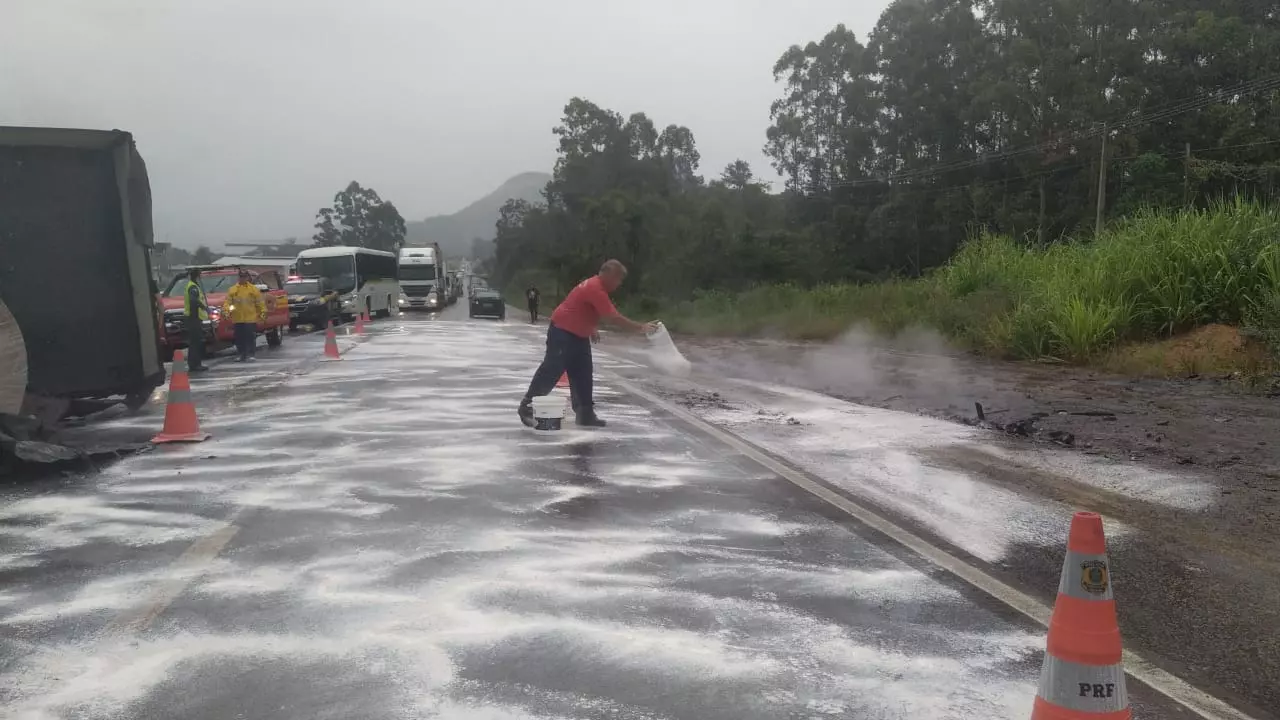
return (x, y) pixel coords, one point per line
(454, 232)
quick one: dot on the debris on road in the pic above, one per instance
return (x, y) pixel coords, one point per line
(703, 399)
(24, 442)
(29, 448)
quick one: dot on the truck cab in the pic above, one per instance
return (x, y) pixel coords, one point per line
(219, 331)
(422, 278)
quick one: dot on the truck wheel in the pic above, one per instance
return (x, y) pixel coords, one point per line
(274, 338)
(13, 363)
(135, 401)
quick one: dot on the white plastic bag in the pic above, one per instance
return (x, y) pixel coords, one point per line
(664, 356)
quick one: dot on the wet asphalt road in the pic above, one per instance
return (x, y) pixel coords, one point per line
(380, 538)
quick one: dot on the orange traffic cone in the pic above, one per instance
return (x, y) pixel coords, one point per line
(563, 381)
(365, 316)
(180, 423)
(331, 343)
(360, 324)
(1083, 676)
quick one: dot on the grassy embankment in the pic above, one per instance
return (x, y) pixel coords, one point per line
(1125, 301)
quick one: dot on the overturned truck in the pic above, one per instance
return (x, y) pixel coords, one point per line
(78, 312)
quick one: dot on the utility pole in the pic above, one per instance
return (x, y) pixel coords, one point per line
(1102, 184)
(1186, 177)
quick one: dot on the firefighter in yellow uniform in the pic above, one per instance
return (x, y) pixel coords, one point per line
(245, 307)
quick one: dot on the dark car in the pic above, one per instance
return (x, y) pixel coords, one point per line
(312, 303)
(488, 303)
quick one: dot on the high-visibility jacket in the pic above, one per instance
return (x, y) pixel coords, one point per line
(203, 309)
(244, 304)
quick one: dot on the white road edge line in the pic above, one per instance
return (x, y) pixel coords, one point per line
(1138, 667)
(195, 557)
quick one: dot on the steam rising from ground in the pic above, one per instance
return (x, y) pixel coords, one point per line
(859, 365)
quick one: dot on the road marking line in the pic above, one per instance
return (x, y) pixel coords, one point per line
(1136, 665)
(199, 554)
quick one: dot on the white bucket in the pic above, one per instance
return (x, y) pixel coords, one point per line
(548, 411)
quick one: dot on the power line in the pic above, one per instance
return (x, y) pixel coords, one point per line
(1160, 113)
(1164, 112)
(1078, 166)
(1237, 147)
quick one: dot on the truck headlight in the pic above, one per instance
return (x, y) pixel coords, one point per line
(404, 300)
(348, 300)
(432, 299)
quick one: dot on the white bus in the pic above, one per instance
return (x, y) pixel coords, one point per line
(365, 278)
(421, 275)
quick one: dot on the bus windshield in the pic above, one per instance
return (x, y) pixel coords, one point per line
(339, 271)
(302, 287)
(417, 272)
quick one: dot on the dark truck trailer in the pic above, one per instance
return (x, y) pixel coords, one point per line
(75, 263)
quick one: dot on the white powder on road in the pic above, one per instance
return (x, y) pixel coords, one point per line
(439, 560)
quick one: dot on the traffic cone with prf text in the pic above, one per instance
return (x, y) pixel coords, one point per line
(180, 422)
(1083, 675)
(360, 324)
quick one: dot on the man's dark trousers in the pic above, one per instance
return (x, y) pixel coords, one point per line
(246, 335)
(195, 341)
(566, 353)
(533, 311)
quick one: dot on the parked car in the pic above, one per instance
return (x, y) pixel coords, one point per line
(312, 302)
(219, 331)
(488, 303)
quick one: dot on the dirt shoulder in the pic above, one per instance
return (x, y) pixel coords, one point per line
(1202, 424)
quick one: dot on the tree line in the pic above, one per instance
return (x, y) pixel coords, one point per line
(1032, 119)
(359, 217)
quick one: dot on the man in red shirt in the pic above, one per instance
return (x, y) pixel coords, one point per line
(573, 328)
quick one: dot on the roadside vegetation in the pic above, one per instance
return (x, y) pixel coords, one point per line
(949, 171)
(1147, 278)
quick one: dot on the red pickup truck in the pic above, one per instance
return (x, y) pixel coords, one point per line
(219, 332)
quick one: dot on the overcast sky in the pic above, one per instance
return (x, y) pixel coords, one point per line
(251, 114)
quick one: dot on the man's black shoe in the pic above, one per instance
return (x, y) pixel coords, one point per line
(526, 414)
(591, 420)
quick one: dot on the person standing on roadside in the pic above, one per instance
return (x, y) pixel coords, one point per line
(244, 305)
(574, 327)
(195, 312)
(532, 295)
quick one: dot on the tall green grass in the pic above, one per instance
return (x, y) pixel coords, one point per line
(1147, 277)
